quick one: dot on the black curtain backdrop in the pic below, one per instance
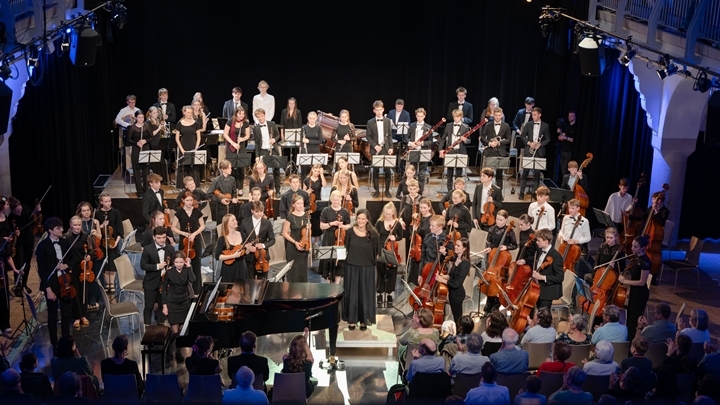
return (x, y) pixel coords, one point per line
(329, 56)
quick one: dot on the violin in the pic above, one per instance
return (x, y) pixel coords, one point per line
(521, 274)
(96, 241)
(13, 238)
(240, 248)
(67, 290)
(313, 199)
(499, 263)
(454, 234)
(269, 205)
(340, 233)
(571, 253)
(188, 247)
(655, 233)
(604, 284)
(629, 227)
(167, 216)
(86, 273)
(527, 300)
(261, 262)
(347, 203)
(37, 219)
(221, 195)
(488, 217)
(580, 193)
(416, 239)
(305, 234)
(393, 245)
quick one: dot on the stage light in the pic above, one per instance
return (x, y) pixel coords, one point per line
(68, 30)
(5, 70)
(591, 51)
(666, 71)
(702, 83)
(627, 56)
(118, 14)
(547, 18)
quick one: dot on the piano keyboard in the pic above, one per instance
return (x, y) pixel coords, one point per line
(190, 313)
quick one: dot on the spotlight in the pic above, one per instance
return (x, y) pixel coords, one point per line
(627, 56)
(68, 30)
(118, 14)
(667, 70)
(591, 51)
(702, 83)
(547, 17)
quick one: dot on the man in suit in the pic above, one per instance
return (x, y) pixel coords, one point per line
(379, 136)
(266, 135)
(461, 104)
(452, 133)
(154, 261)
(49, 254)
(486, 192)
(523, 116)
(233, 104)
(551, 277)
(535, 135)
(248, 358)
(167, 108)
(153, 198)
(264, 233)
(418, 129)
(495, 139)
(398, 116)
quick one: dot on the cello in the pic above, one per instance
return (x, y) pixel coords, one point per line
(622, 292)
(426, 291)
(571, 253)
(580, 193)
(655, 233)
(521, 274)
(628, 226)
(604, 285)
(499, 263)
(526, 301)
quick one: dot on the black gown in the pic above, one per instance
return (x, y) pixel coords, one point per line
(456, 290)
(175, 293)
(359, 281)
(328, 268)
(638, 294)
(235, 133)
(339, 134)
(298, 271)
(316, 187)
(194, 221)
(235, 271)
(387, 274)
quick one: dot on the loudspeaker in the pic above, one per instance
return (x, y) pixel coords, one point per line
(592, 56)
(712, 126)
(83, 46)
(5, 102)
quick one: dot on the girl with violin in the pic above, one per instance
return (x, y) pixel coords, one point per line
(635, 276)
(6, 233)
(223, 191)
(526, 231)
(189, 224)
(333, 219)
(286, 199)
(495, 236)
(260, 178)
(111, 233)
(313, 185)
(434, 243)
(458, 184)
(606, 253)
(187, 137)
(408, 206)
(343, 134)
(457, 216)
(342, 183)
(139, 137)
(260, 231)
(486, 193)
(22, 216)
(295, 248)
(236, 134)
(312, 137)
(91, 227)
(158, 220)
(389, 230)
(456, 276)
(80, 262)
(198, 113)
(362, 243)
(421, 228)
(342, 165)
(175, 286)
(227, 251)
(403, 188)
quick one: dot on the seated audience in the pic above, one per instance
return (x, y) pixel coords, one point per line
(299, 359)
(470, 362)
(492, 337)
(661, 329)
(576, 332)
(448, 333)
(32, 382)
(69, 359)
(703, 400)
(709, 386)
(666, 389)
(450, 349)
(698, 330)
(454, 400)
(529, 394)
(421, 329)
(488, 392)
(12, 390)
(606, 399)
(541, 330)
(70, 389)
(561, 352)
(510, 359)
(627, 386)
(247, 357)
(638, 347)
(603, 363)
(611, 330)
(678, 355)
(710, 363)
(571, 392)
(118, 364)
(244, 393)
(201, 362)
(425, 360)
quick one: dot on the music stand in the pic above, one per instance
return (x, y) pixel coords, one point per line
(353, 158)
(419, 156)
(241, 160)
(560, 195)
(330, 253)
(275, 161)
(453, 161)
(293, 137)
(534, 164)
(309, 159)
(149, 156)
(603, 217)
(386, 162)
(497, 162)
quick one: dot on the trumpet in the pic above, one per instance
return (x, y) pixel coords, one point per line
(533, 150)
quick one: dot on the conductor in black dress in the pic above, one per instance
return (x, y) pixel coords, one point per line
(551, 277)
(495, 137)
(154, 261)
(263, 237)
(379, 136)
(456, 276)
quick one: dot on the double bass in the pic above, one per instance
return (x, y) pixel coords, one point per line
(655, 233)
(604, 285)
(580, 193)
(499, 263)
(521, 274)
(571, 253)
(526, 301)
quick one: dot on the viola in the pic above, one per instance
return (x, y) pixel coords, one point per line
(527, 300)
(521, 274)
(188, 247)
(604, 283)
(96, 240)
(416, 239)
(228, 252)
(454, 235)
(269, 205)
(571, 253)
(305, 234)
(86, 273)
(347, 203)
(499, 263)
(655, 233)
(220, 194)
(629, 232)
(488, 217)
(67, 290)
(340, 233)
(261, 263)
(580, 193)
(393, 245)
(313, 199)
(37, 219)
(167, 216)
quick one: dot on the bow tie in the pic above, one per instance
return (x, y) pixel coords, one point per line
(537, 123)
(56, 242)
(157, 192)
(163, 103)
(528, 112)
(456, 125)
(380, 120)
(263, 125)
(161, 247)
(460, 104)
(497, 125)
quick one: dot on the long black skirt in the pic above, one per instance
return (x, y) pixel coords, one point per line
(359, 297)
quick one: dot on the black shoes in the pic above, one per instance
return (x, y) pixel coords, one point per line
(375, 194)
(387, 194)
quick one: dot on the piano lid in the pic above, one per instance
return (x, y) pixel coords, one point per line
(247, 292)
(255, 292)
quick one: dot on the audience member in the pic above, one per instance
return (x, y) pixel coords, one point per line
(244, 393)
(611, 330)
(13, 393)
(542, 331)
(661, 329)
(626, 386)
(510, 359)
(454, 400)
(421, 329)
(450, 349)
(472, 361)
(32, 382)
(571, 392)
(201, 362)
(488, 392)
(638, 347)
(606, 399)
(603, 363)
(448, 334)
(703, 400)
(576, 332)
(529, 394)
(69, 359)
(118, 364)
(561, 352)
(494, 327)
(424, 360)
(299, 359)
(679, 355)
(70, 388)
(666, 388)
(710, 363)
(709, 386)
(247, 357)
(698, 330)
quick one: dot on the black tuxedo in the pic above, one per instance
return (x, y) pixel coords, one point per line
(467, 110)
(47, 260)
(258, 365)
(552, 288)
(153, 278)
(273, 132)
(446, 140)
(566, 179)
(496, 195)
(488, 134)
(373, 138)
(520, 119)
(420, 167)
(527, 137)
(229, 109)
(265, 236)
(169, 110)
(150, 203)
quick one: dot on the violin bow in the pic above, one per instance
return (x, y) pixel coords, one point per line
(61, 260)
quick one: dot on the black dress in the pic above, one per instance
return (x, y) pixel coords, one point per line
(387, 274)
(314, 136)
(175, 293)
(353, 197)
(263, 184)
(328, 268)
(188, 139)
(456, 290)
(298, 271)
(194, 221)
(638, 294)
(230, 154)
(414, 266)
(140, 171)
(465, 223)
(339, 134)
(110, 367)
(316, 188)
(201, 365)
(235, 271)
(74, 259)
(359, 281)
(307, 369)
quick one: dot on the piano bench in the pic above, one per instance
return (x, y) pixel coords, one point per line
(155, 341)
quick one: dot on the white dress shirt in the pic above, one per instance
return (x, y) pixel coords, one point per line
(265, 136)
(161, 253)
(547, 221)
(267, 103)
(419, 131)
(484, 196)
(381, 131)
(121, 119)
(497, 127)
(617, 204)
(536, 131)
(455, 136)
(571, 181)
(582, 233)
(256, 225)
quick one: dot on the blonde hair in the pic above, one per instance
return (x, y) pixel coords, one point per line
(390, 206)
(459, 193)
(438, 220)
(457, 113)
(412, 183)
(347, 174)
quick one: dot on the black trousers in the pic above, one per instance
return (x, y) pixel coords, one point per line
(544, 304)
(5, 300)
(65, 318)
(140, 172)
(275, 170)
(565, 157)
(153, 297)
(376, 178)
(23, 256)
(456, 298)
(535, 180)
(386, 278)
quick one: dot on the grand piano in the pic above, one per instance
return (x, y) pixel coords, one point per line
(226, 310)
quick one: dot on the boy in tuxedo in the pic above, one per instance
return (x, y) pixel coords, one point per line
(154, 261)
(379, 136)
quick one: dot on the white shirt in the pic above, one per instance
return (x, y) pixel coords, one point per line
(122, 116)
(617, 204)
(541, 259)
(265, 136)
(547, 221)
(58, 249)
(381, 131)
(497, 127)
(256, 225)
(455, 136)
(571, 181)
(483, 196)
(267, 103)
(528, 114)
(161, 253)
(157, 194)
(419, 131)
(163, 106)
(582, 233)
(536, 131)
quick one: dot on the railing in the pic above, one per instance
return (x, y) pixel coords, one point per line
(611, 5)
(710, 25)
(640, 8)
(677, 14)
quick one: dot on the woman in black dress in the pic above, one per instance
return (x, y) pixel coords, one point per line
(187, 137)
(139, 136)
(80, 252)
(389, 230)
(362, 244)
(635, 276)
(343, 134)
(299, 359)
(261, 179)
(157, 129)
(425, 212)
(176, 302)
(119, 364)
(458, 209)
(199, 114)
(456, 277)
(91, 227)
(342, 183)
(231, 238)
(332, 218)
(158, 219)
(236, 134)
(312, 138)
(189, 224)
(296, 220)
(314, 184)
(290, 117)
(494, 237)
(606, 252)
